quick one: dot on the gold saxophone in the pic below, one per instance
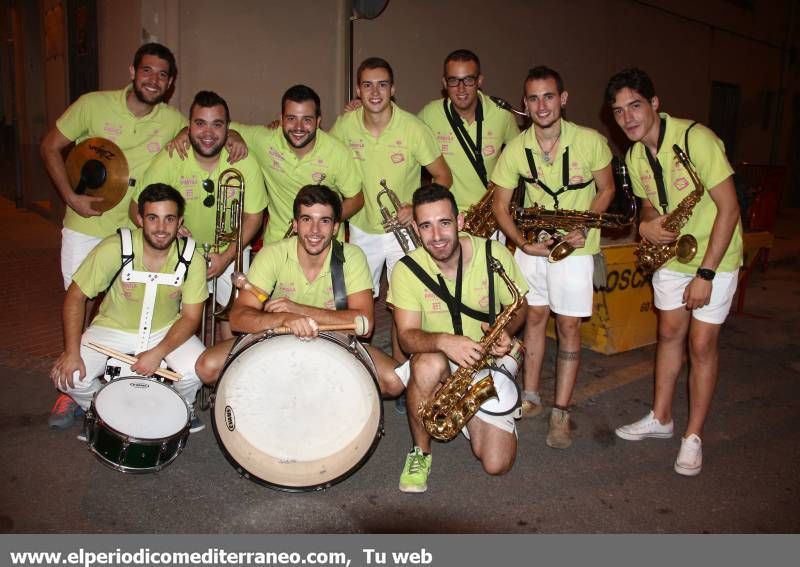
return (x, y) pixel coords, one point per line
(649, 256)
(458, 399)
(405, 235)
(479, 219)
(538, 223)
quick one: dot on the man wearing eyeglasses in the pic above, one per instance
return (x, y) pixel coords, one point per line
(469, 127)
(197, 176)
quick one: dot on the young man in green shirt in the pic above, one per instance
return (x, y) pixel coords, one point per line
(176, 306)
(693, 298)
(388, 144)
(196, 177)
(296, 276)
(564, 166)
(469, 127)
(441, 335)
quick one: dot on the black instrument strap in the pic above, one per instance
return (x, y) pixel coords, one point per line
(337, 275)
(686, 140)
(445, 296)
(492, 310)
(565, 184)
(473, 150)
(658, 173)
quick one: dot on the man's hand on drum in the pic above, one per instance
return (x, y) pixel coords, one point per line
(281, 305)
(461, 350)
(502, 345)
(147, 362)
(301, 326)
(63, 372)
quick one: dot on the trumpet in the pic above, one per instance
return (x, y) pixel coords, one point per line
(406, 236)
(228, 231)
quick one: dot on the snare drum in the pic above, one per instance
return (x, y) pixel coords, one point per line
(137, 425)
(297, 415)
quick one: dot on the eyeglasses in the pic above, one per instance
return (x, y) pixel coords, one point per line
(208, 187)
(469, 81)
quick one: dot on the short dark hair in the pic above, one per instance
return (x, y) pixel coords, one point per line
(634, 79)
(431, 194)
(157, 192)
(209, 99)
(318, 195)
(542, 72)
(462, 56)
(374, 63)
(159, 51)
(300, 93)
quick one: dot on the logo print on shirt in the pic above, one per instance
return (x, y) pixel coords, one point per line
(317, 176)
(681, 183)
(153, 146)
(575, 179)
(488, 151)
(113, 130)
(398, 158)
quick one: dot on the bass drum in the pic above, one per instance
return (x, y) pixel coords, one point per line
(297, 415)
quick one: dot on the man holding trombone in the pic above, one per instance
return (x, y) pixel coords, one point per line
(198, 177)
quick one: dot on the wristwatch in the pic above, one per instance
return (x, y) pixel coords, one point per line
(706, 274)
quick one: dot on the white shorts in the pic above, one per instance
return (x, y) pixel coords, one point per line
(378, 248)
(224, 284)
(182, 360)
(506, 421)
(75, 246)
(565, 286)
(668, 287)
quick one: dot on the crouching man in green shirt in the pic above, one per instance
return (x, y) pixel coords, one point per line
(297, 277)
(151, 256)
(444, 297)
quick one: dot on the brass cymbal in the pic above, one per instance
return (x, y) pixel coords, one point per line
(98, 168)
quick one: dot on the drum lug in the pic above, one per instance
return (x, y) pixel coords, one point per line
(353, 345)
(123, 453)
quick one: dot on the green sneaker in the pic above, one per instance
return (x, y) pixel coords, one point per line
(415, 472)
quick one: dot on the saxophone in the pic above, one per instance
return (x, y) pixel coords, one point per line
(479, 219)
(650, 257)
(458, 399)
(405, 235)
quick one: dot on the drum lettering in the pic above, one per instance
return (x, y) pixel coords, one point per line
(638, 279)
(230, 421)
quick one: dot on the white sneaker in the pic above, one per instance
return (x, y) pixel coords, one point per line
(690, 457)
(646, 427)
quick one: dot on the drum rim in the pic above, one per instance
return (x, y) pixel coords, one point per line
(243, 472)
(95, 416)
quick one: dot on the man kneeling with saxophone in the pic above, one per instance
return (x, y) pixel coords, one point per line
(445, 297)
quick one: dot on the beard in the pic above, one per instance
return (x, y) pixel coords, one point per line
(141, 97)
(156, 245)
(310, 138)
(200, 150)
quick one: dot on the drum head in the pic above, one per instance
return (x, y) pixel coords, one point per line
(297, 415)
(141, 408)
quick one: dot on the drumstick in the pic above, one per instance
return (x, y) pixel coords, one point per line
(360, 325)
(241, 282)
(108, 351)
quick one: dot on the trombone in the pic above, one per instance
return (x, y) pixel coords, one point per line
(228, 231)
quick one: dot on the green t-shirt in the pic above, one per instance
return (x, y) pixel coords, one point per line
(105, 114)
(408, 292)
(499, 128)
(707, 153)
(122, 306)
(588, 152)
(187, 177)
(285, 173)
(276, 269)
(405, 145)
